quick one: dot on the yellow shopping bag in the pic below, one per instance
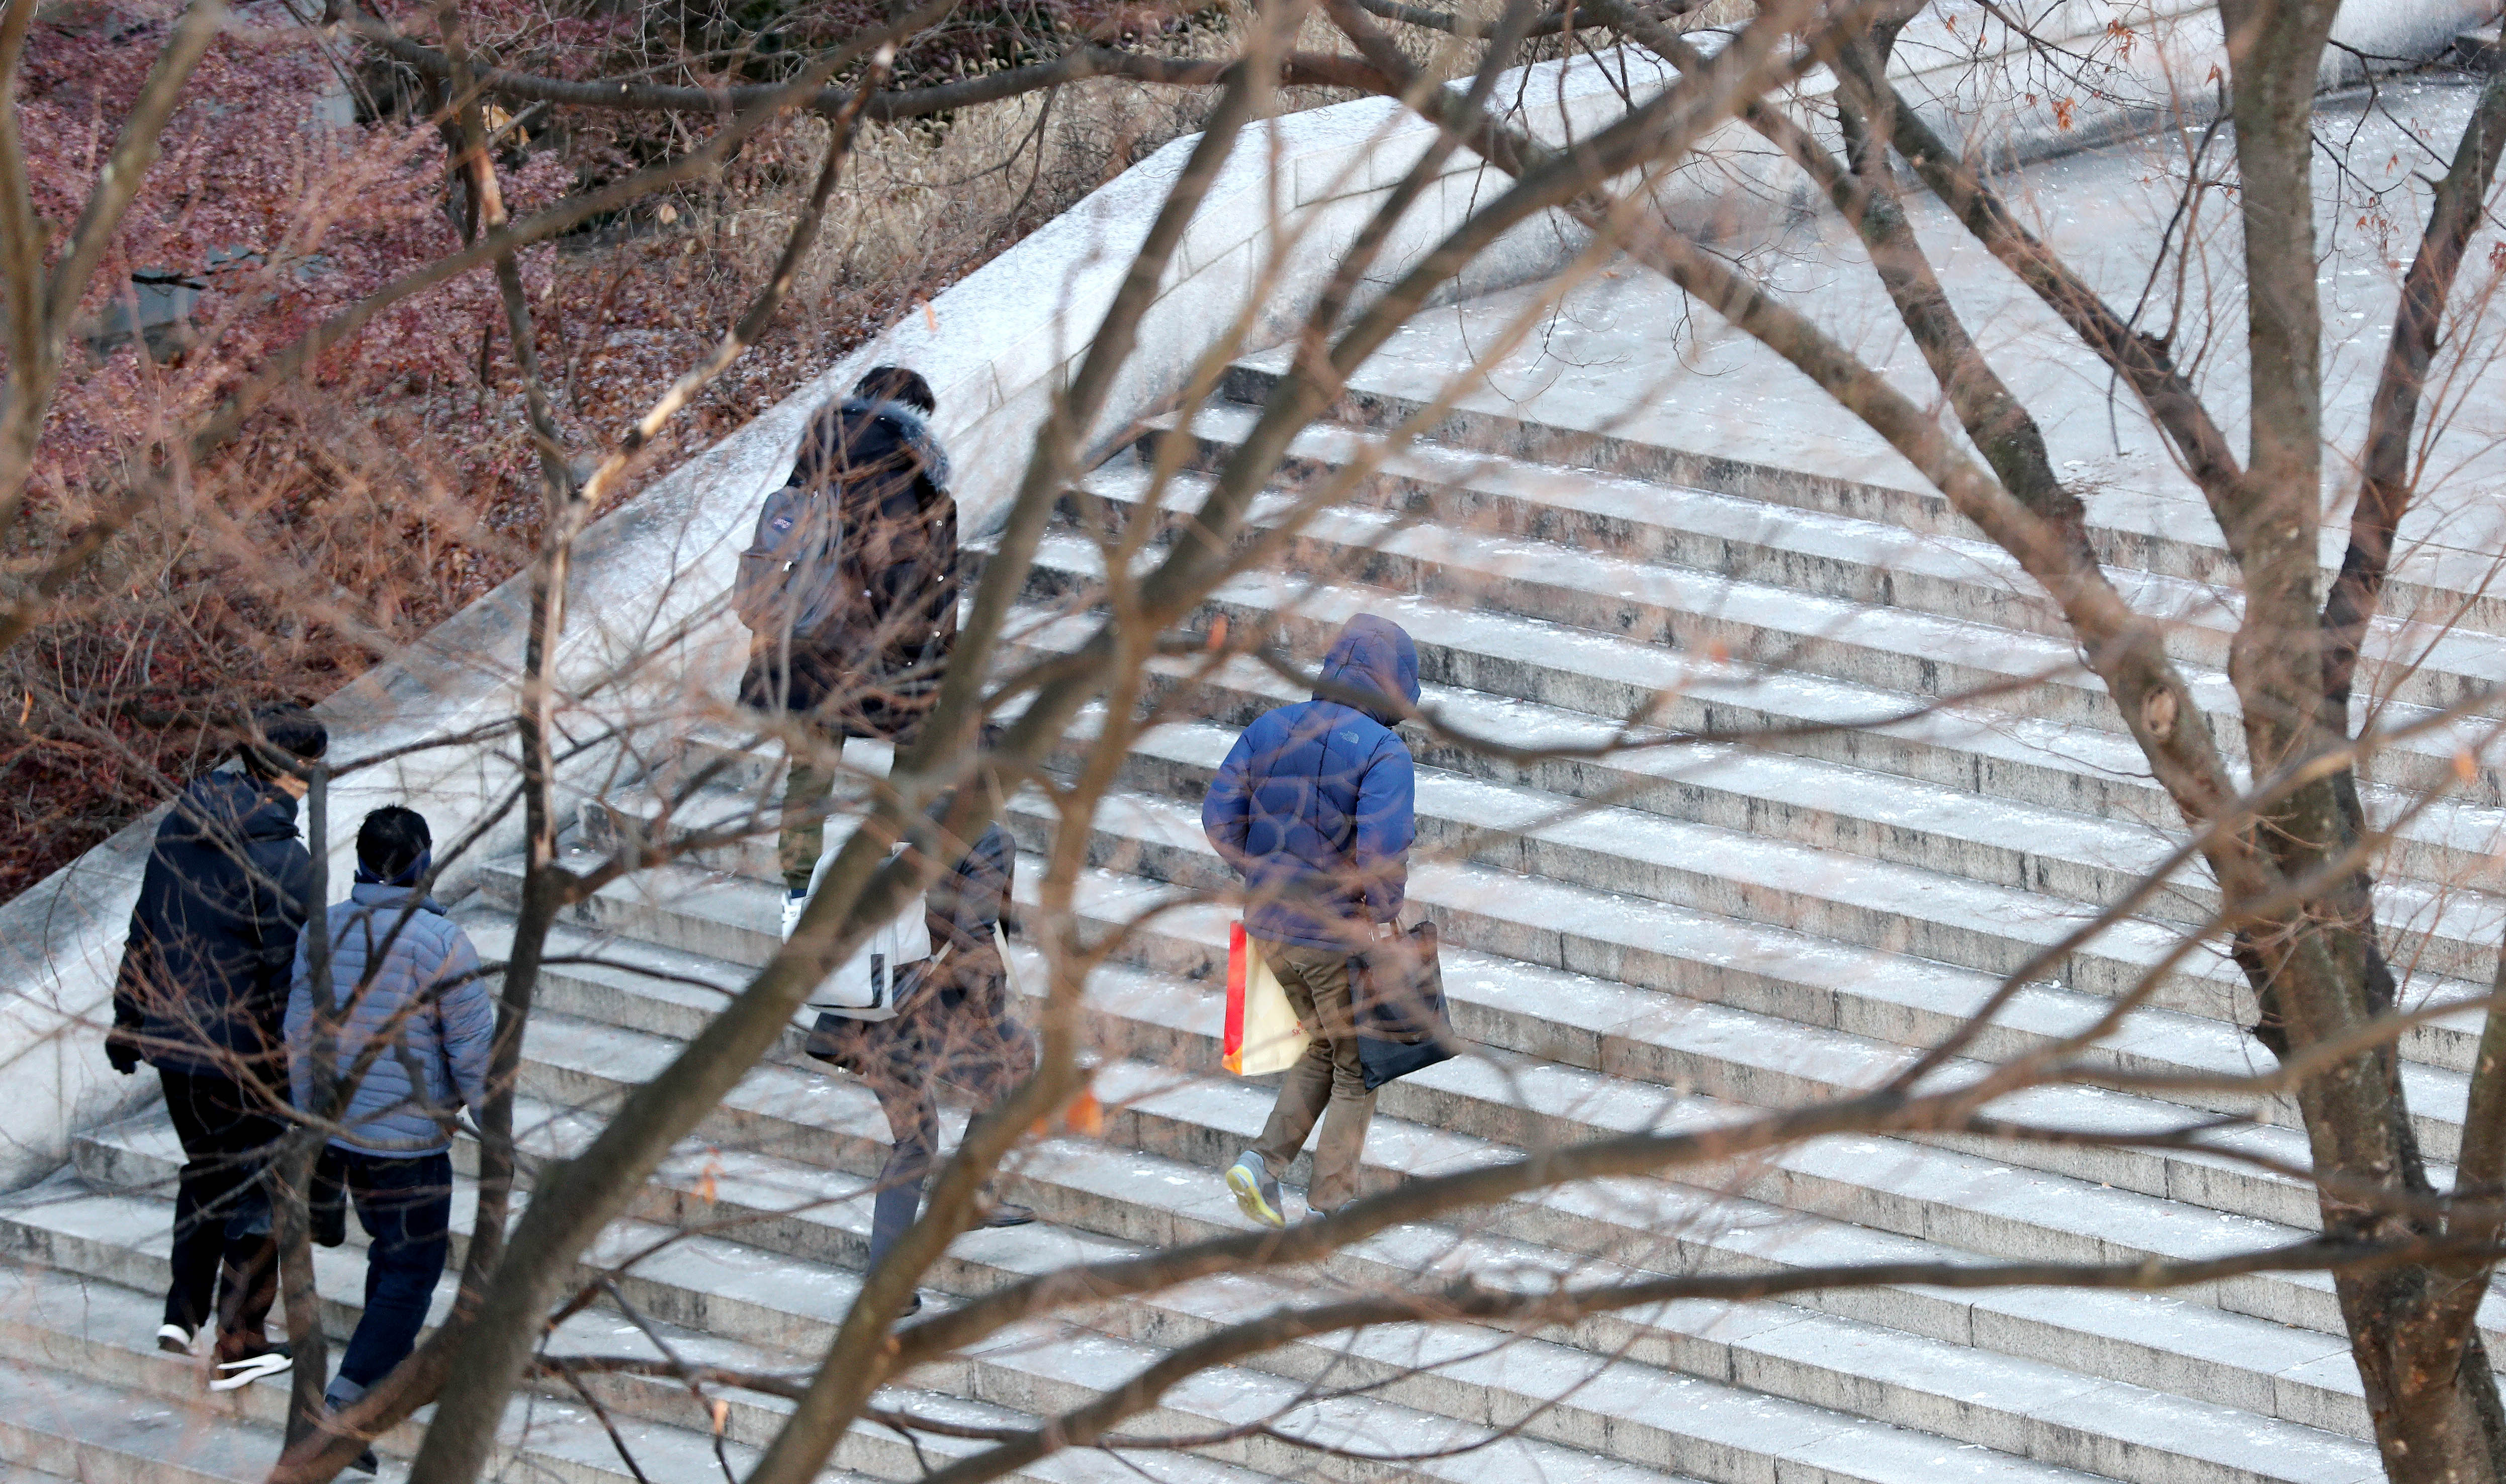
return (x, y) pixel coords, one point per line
(1263, 1035)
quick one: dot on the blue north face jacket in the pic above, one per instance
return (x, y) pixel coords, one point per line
(1314, 804)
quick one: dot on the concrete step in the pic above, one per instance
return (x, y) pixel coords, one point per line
(1980, 1205)
(2141, 531)
(1670, 525)
(1773, 628)
(2023, 1407)
(88, 1397)
(1152, 1018)
(81, 1309)
(1168, 1014)
(757, 1296)
(1951, 827)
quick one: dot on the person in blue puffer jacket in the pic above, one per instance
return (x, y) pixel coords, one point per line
(1314, 808)
(402, 970)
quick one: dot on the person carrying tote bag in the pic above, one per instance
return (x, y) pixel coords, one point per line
(950, 1017)
(1403, 1025)
(1314, 808)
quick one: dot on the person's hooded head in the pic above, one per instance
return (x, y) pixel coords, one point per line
(883, 424)
(1373, 655)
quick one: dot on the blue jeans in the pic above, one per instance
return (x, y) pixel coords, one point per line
(404, 1203)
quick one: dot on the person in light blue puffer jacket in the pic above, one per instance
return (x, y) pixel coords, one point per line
(399, 968)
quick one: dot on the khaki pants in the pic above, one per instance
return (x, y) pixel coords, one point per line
(807, 788)
(1327, 1083)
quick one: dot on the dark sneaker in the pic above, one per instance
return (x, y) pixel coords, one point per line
(365, 1462)
(1257, 1194)
(174, 1339)
(1004, 1213)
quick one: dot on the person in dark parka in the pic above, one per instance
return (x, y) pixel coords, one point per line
(199, 997)
(1314, 808)
(956, 1025)
(850, 590)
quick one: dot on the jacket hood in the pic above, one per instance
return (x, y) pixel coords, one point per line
(911, 430)
(380, 893)
(1375, 655)
(218, 807)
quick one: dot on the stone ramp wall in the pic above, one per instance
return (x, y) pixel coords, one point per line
(645, 608)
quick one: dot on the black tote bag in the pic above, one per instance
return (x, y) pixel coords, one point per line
(1397, 998)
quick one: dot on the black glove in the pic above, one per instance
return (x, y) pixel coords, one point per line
(326, 1205)
(122, 1049)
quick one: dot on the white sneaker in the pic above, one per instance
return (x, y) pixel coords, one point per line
(174, 1339)
(794, 903)
(235, 1375)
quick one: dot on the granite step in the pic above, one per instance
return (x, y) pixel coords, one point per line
(101, 1332)
(1529, 835)
(1671, 525)
(1166, 1009)
(57, 1424)
(1519, 840)
(2060, 850)
(2174, 537)
(97, 1246)
(1983, 1205)
(2029, 1408)
(2196, 1349)
(88, 1397)
(1986, 746)
(1633, 861)
(763, 1297)
(1764, 625)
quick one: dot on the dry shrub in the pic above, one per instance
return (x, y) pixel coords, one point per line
(378, 497)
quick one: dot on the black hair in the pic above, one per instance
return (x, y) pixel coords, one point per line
(894, 383)
(280, 739)
(391, 839)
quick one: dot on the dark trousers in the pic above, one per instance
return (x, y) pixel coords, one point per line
(914, 1129)
(221, 1205)
(965, 1034)
(404, 1203)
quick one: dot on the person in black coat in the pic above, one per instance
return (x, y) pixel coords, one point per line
(201, 996)
(956, 1025)
(850, 590)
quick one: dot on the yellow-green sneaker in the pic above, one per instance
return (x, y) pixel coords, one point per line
(1257, 1194)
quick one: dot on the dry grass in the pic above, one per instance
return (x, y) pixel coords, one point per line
(357, 513)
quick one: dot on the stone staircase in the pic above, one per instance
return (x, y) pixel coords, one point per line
(1664, 938)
